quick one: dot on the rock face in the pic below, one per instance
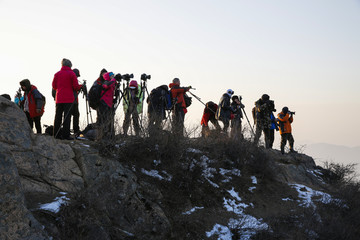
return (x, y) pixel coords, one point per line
(39, 165)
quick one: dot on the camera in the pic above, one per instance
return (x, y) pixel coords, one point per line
(144, 77)
(293, 113)
(118, 77)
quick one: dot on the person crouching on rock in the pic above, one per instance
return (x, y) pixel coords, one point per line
(33, 104)
(285, 118)
(209, 115)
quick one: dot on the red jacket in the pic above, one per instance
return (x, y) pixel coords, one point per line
(66, 85)
(108, 90)
(178, 93)
(208, 114)
(35, 102)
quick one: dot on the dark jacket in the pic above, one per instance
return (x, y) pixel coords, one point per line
(224, 108)
(236, 110)
(263, 111)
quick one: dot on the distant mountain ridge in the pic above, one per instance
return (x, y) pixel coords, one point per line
(322, 152)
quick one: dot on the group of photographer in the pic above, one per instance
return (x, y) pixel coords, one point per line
(106, 94)
(263, 116)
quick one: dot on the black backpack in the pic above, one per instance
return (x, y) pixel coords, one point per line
(188, 100)
(159, 98)
(94, 95)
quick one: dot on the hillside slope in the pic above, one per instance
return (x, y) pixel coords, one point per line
(165, 187)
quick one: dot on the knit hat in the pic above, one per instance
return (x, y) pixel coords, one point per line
(26, 83)
(285, 110)
(133, 84)
(230, 92)
(77, 72)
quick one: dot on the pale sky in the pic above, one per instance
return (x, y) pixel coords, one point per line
(304, 54)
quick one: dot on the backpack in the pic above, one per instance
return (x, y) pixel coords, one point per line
(94, 95)
(168, 99)
(188, 100)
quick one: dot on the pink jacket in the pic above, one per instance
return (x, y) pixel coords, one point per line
(109, 88)
(66, 85)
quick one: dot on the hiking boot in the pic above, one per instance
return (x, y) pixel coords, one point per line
(292, 151)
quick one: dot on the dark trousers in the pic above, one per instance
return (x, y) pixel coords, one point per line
(155, 121)
(105, 122)
(236, 131)
(226, 123)
(284, 138)
(267, 135)
(271, 137)
(76, 116)
(178, 121)
(131, 112)
(62, 109)
(36, 120)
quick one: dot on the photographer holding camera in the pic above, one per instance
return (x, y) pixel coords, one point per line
(179, 110)
(285, 118)
(262, 117)
(133, 98)
(105, 108)
(236, 107)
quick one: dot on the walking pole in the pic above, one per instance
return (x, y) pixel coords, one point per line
(252, 130)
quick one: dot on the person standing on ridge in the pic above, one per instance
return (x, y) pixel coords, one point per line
(236, 106)
(105, 108)
(209, 115)
(179, 108)
(285, 118)
(132, 104)
(33, 104)
(66, 85)
(223, 112)
(261, 113)
(75, 109)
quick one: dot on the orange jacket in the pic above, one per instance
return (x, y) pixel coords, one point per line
(178, 93)
(285, 122)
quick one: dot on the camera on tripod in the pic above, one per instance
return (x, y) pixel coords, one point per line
(293, 113)
(118, 77)
(145, 77)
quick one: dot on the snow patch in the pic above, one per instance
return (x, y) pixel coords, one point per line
(251, 189)
(192, 210)
(85, 145)
(245, 225)
(254, 179)
(156, 174)
(226, 173)
(56, 204)
(306, 194)
(193, 150)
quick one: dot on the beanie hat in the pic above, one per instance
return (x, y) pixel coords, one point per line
(234, 97)
(133, 84)
(230, 92)
(285, 110)
(77, 72)
(66, 62)
(176, 80)
(265, 97)
(111, 74)
(26, 84)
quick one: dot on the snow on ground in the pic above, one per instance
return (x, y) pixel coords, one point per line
(192, 210)
(254, 181)
(226, 173)
(193, 150)
(317, 174)
(245, 224)
(56, 204)
(85, 145)
(156, 174)
(306, 194)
